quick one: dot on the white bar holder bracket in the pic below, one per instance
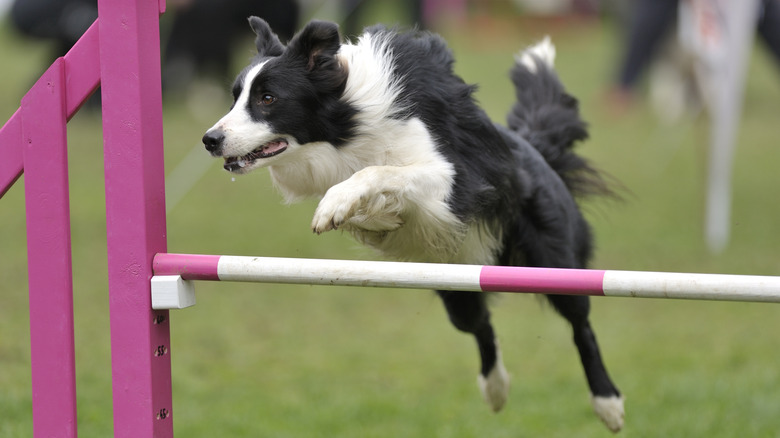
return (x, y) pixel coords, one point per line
(172, 292)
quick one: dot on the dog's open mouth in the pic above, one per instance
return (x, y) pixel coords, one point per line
(267, 150)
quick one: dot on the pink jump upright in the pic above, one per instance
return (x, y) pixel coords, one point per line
(135, 214)
(121, 52)
(34, 142)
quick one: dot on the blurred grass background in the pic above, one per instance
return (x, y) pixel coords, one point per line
(255, 360)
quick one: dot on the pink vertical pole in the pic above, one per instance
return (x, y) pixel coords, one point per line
(135, 214)
(49, 255)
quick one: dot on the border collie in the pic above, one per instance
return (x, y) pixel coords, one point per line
(403, 158)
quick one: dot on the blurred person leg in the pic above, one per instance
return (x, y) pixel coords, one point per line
(650, 23)
(769, 26)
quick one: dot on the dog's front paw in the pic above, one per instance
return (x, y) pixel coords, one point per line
(358, 207)
(334, 209)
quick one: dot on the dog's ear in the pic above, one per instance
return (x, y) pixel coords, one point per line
(267, 42)
(318, 43)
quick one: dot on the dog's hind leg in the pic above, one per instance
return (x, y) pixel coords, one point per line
(469, 313)
(605, 397)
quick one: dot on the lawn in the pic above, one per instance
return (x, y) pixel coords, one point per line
(252, 360)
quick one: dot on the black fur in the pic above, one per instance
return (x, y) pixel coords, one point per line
(523, 177)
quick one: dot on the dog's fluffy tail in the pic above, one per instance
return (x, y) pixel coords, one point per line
(548, 118)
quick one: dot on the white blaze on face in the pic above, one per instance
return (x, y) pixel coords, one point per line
(242, 134)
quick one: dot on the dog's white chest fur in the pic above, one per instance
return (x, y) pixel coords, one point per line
(389, 188)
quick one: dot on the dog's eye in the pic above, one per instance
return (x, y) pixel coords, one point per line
(267, 99)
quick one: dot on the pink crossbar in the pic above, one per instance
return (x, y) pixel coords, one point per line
(542, 280)
(189, 266)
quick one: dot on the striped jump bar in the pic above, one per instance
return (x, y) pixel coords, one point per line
(171, 287)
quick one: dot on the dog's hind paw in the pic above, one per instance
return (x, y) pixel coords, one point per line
(610, 410)
(495, 386)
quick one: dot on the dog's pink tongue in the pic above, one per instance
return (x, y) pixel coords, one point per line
(275, 146)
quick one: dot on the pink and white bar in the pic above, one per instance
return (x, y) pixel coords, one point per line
(171, 287)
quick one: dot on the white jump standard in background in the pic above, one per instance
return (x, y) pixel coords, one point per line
(172, 288)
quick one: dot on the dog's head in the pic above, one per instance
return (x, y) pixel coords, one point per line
(287, 97)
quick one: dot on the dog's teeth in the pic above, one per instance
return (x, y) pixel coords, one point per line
(241, 163)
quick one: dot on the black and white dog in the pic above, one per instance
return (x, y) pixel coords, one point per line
(402, 157)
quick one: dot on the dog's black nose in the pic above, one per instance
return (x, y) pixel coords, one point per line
(213, 140)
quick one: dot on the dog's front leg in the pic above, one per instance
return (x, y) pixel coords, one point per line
(378, 198)
(371, 199)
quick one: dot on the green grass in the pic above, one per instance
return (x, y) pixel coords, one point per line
(297, 361)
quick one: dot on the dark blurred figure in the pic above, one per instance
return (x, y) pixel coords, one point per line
(204, 33)
(201, 39)
(769, 26)
(354, 11)
(651, 22)
(60, 21)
